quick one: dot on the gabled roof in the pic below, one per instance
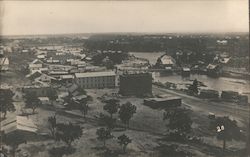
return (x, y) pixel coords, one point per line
(18, 123)
(4, 61)
(34, 75)
(167, 60)
(36, 61)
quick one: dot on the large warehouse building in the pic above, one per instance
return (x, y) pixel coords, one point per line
(96, 79)
(136, 84)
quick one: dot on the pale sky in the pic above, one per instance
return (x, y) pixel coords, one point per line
(46, 17)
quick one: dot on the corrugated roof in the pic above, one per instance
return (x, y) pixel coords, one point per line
(95, 74)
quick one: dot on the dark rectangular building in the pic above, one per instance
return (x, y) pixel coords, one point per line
(163, 103)
(136, 84)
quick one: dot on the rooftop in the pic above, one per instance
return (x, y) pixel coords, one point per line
(95, 74)
(18, 123)
(4, 61)
(58, 72)
(36, 61)
(211, 66)
(163, 99)
(167, 60)
(135, 74)
(186, 69)
(66, 76)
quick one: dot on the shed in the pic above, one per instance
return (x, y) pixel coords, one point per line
(163, 103)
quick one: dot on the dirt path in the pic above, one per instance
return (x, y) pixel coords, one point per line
(205, 106)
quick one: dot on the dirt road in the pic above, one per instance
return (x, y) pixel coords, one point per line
(235, 111)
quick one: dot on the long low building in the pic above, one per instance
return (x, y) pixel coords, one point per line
(96, 79)
(163, 103)
(18, 123)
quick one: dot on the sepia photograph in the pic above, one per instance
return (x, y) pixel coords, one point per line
(124, 78)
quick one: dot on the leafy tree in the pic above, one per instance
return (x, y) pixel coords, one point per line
(12, 140)
(179, 121)
(124, 140)
(81, 90)
(103, 135)
(109, 64)
(84, 108)
(52, 95)
(107, 121)
(194, 87)
(31, 101)
(68, 98)
(126, 112)
(111, 106)
(71, 103)
(52, 125)
(68, 133)
(226, 129)
(6, 102)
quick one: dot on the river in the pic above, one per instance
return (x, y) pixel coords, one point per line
(222, 83)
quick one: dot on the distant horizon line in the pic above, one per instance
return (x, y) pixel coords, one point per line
(141, 33)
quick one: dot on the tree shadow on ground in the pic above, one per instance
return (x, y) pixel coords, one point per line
(172, 150)
(60, 151)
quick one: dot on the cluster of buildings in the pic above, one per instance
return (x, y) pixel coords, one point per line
(75, 71)
(166, 62)
(4, 61)
(230, 96)
(47, 76)
(185, 63)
